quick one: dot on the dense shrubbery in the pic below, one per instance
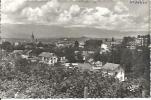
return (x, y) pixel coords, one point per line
(43, 81)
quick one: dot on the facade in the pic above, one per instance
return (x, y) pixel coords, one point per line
(17, 53)
(132, 45)
(17, 43)
(63, 59)
(115, 70)
(81, 44)
(48, 58)
(104, 48)
(142, 40)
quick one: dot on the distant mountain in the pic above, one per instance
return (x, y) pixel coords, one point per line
(54, 31)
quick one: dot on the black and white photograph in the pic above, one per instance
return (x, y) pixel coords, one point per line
(74, 49)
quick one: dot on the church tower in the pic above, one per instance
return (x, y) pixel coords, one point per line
(32, 37)
(0, 48)
(0, 40)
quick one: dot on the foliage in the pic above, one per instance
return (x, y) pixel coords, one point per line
(69, 53)
(92, 44)
(7, 46)
(76, 45)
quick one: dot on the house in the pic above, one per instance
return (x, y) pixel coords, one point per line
(59, 44)
(114, 69)
(87, 54)
(48, 58)
(17, 43)
(81, 44)
(17, 53)
(114, 43)
(24, 56)
(104, 48)
(29, 53)
(97, 65)
(90, 60)
(71, 65)
(84, 67)
(62, 59)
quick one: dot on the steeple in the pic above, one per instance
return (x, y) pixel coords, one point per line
(32, 37)
(1, 48)
(0, 40)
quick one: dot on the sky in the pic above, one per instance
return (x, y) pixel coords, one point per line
(118, 15)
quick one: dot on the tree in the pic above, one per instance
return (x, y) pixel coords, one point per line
(93, 44)
(126, 60)
(69, 53)
(22, 65)
(112, 39)
(7, 46)
(76, 45)
(115, 54)
(126, 40)
(40, 44)
(79, 57)
(19, 47)
(37, 51)
(97, 56)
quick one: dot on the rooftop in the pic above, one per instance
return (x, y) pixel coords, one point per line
(46, 54)
(110, 66)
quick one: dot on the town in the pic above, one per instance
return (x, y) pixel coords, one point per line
(75, 67)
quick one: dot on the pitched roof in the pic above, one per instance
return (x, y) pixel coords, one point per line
(18, 51)
(110, 66)
(46, 54)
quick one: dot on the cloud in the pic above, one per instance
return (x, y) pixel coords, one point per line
(68, 15)
(10, 6)
(32, 14)
(120, 7)
(64, 17)
(87, 16)
(54, 12)
(43, 14)
(51, 6)
(5, 19)
(97, 15)
(74, 10)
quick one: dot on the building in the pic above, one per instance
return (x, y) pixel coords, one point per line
(48, 58)
(115, 70)
(62, 59)
(17, 43)
(97, 65)
(16, 53)
(131, 45)
(81, 44)
(143, 40)
(104, 48)
(115, 43)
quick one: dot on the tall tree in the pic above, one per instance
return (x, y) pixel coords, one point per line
(126, 60)
(76, 45)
